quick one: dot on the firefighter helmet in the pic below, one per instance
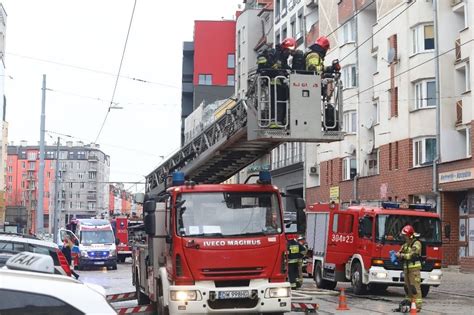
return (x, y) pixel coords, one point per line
(323, 41)
(408, 230)
(288, 43)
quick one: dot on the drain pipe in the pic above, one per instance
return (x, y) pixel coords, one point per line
(354, 188)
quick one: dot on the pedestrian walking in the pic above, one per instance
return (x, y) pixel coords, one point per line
(67, 252)
(410, 257)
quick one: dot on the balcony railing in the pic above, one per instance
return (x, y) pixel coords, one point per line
(457, 49)
(455, 2)
(458, 112)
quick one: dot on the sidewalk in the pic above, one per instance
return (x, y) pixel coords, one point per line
(455, 281)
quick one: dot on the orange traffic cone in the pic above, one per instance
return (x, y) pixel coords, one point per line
(342, 301)
(413, 307)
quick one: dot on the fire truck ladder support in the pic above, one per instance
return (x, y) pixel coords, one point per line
(243, 134)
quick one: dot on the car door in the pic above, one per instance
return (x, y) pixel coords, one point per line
(341, 239)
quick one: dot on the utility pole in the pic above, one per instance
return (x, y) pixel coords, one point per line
(57, 212)
(438, 112)
(39, 206)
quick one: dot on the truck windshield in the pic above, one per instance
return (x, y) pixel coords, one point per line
(97, 237)
(389, 227)
(228, 214)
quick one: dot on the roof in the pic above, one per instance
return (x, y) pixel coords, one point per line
(82, 296)
(28, 240)
(227, 187)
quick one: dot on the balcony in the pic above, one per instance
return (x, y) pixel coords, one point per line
(93, 158)
(458, 113)
(91, 197)
(456, 2)
(457, 49)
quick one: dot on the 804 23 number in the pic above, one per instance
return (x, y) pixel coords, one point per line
(342, 238)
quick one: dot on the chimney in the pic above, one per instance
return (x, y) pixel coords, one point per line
(79, 144)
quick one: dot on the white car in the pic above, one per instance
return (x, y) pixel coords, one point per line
(12, 243)
(28, 286)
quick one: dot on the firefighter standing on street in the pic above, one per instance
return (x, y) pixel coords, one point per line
(303, 251)
(410, 257)
(296, 252)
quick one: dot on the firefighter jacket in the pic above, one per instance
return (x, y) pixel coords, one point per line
(315, 58)
(298, 62)
(410, 254)
(266, 59)
(296, 251)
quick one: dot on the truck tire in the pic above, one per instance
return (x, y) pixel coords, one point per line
(142, 299)
(318, 278)
(162, 309)
(424, 290)
(377, 288)
(356, 279)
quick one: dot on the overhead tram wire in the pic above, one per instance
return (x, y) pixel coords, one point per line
(409, 69)
(381, 28)
(93, 70)
(118, 73)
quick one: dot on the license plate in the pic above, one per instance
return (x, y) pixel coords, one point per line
(241, 294)
(98, 263)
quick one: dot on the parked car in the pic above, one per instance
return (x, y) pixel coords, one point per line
(29, 286)
(13, 243)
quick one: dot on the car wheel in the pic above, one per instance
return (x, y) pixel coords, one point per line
(318, 278)
(142, 299)
(424, 290)
(356, 279)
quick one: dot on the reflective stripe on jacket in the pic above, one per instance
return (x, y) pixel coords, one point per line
(314, 62)
(410, 254)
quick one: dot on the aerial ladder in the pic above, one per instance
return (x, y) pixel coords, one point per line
(246, 132)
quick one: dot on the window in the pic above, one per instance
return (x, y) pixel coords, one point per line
(80, 175)
(424, 151)
(205, 79)
(70, 205)
(230, 80)
(349, 76)
(300, 25)
(468, 141)
(350, 122)
(462, 82)
(63, 155)
(17, 302)
(231, 61)
(349, 168)
(92, 175)
(284, 33)
(425, 94)
(31, 156)
(277, 37)
(342, 223)
(348, 32)
(78, 195)
(373, 163)
(31, 165)
(277, 9)
(423, 38)
(23, 164)
(82, 185)
(293, 29)
(376, 110)
(70, 185)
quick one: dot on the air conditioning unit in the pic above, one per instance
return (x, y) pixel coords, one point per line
(314, 170)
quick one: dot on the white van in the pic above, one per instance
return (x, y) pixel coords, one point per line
(96, 242)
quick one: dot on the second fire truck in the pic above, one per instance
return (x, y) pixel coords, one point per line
(353, 245)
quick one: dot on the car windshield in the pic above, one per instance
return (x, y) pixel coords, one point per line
(97, 237)
(389, 228)
(228, 214)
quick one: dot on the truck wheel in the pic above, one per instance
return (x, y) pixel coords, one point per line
(377, 288)
(162, 309)
(142, 299)
(424, 290)
(356, 279)
(318, 278)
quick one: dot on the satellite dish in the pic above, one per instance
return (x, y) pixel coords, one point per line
(391, 55)
(370, 123)
(350, 148)
(369, 148)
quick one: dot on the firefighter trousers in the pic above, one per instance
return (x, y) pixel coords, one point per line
(413, 285)
(293, 274)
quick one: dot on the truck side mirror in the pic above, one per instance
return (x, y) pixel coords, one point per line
(149, 222)
(301, 220)
(300, 204)
(149, 206)
(117, 241)
(168, 239)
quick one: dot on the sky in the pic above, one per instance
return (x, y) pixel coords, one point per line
(90, 34)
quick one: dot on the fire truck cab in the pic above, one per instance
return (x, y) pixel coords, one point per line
(354, 244)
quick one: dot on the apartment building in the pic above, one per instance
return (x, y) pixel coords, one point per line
(388, 55)
(208, 72)
(121, 201)
(3, 122)
(83, 180)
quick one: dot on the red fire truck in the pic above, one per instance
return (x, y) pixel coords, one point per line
(354, 244)
(121, 226)
(221, 248)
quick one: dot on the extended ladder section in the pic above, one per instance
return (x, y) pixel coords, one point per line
(249, 130)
